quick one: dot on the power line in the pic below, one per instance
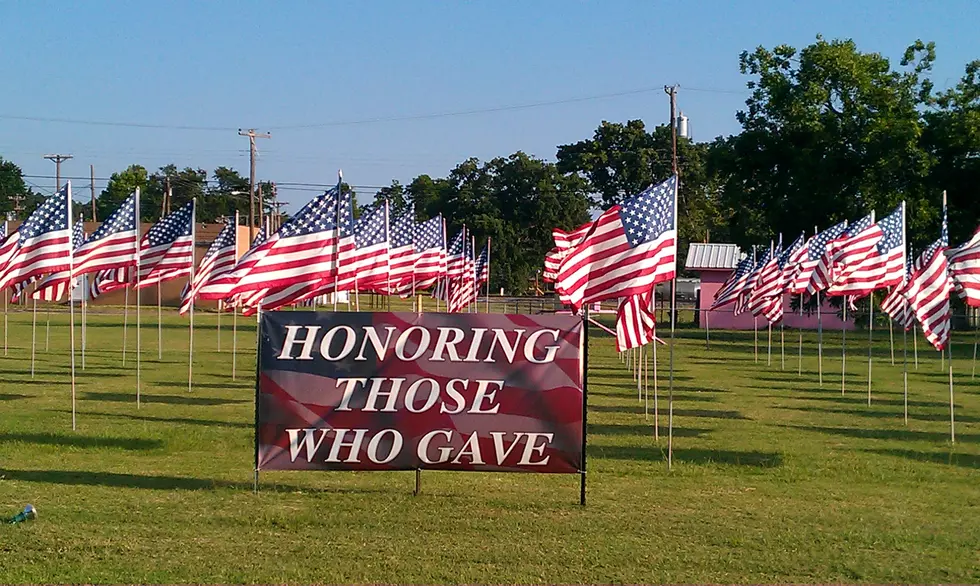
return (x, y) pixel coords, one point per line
(374, 120)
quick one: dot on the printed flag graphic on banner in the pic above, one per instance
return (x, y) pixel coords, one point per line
(380, 391)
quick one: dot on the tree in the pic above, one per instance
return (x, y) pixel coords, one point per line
(12, 188)
(121, 185)
(828, 133)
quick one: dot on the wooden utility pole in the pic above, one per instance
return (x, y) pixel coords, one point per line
(252, 135)
(91, 169)
(165, 209)
(671, 90)
(276, 219)
(58, 159)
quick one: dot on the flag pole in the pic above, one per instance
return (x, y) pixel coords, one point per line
(782, 344)
(488, 274)
(125, 321)
(819, 341)
(139, 365)
(5, 323)
(755, 328)
(891, 339)
(800, 371)
(638, 374)
(952, 423)
(769, 349)
(973, 374)
(71, 310)
(871, 329)
(47, 328)
(219, 325)
(336, 277)
(33, 333)
(159, 323)
(234, 339)
(915, 348)
(843, 347)
(656, 397)
(905, 371)
(673, 311)
(190, 281)
(84, 313)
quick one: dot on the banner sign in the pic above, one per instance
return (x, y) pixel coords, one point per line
(406, 391)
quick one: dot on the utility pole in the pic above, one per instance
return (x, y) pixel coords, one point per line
(165, 209)
(275, 204)
(18, 204)
(91, 169)
(671, 90)
(58, 159)
(252, 135)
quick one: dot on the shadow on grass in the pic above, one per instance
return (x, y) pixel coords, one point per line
(947, 458)
(897, 414)
(886, 434)
(12, 396)
(166, 399)
(230, 385)
(856, 400)
(754, 458)
(147, 482)
(689, 394)
(703, 413)
(645, 430)
(177, 420)
(81, 441)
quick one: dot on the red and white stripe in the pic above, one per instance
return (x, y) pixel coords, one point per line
(928, 293)
(964, 267)
(635, 322)
(841, 253)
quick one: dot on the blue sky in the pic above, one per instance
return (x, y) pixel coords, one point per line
(320, 75)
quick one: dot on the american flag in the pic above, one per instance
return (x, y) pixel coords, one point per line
(895, 305)
(856, 243)
(771, 284)
(218, 260)
(113, 244)
(305, 250)
(366, 266)
(7, 248)
(430, 246)
(43, 244)
(635, 321)
(765, 280)
(402, 255)
(810, 256)
(55, 285)
(630, 248)
(483, 265)
(563, 242)
(167, 248)
(742, 302)
(929, 288)
(219, 286)
(964, 267)
(729, 291)
(885, 267)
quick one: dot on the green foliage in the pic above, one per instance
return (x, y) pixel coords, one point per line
(12, 186)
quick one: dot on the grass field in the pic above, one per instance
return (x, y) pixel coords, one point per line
(775, 479)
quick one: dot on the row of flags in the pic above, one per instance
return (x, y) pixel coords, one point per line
(852, 260)
(622, 254)
(321, 250)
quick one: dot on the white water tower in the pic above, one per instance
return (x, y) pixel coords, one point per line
(682, 126)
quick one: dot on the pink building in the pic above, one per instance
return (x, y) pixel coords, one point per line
(714, 263)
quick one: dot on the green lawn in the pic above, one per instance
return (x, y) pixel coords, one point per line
(775, 478)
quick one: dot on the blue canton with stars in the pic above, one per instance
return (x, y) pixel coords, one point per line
(818, 246)
(172, 227)
(893, 232)
(319, 215)
(225, 239)
(50, 217)
(121, 220)
(429, 234)
(456, 246)
(859, 226)
(403, 228)
(649, 214)
(371, 228)
(795, 246)
(77, 235)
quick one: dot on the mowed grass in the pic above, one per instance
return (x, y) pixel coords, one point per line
(775, 478)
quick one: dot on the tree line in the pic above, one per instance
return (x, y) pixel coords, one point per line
(827, 133)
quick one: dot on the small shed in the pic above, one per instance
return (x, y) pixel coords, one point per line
(715, 263)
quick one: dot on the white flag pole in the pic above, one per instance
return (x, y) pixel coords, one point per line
(488, 274)
(871, 329)
(33, 332)
(126, 320)
(138, 340)
(159, 323)
(219, 325)
(84, 290)
(800, 370)
(656, 394)
(905, 371)
(190, 281)
(71, 305)
(673, 311)
(47, 328)
(5, 325)
(234, 340)
(843, 347)
(819, 341)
